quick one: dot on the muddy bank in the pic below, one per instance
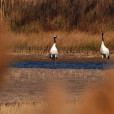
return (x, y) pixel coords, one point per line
(61, 58)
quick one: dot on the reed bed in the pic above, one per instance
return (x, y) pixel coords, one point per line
(67, 42)
(47, 15)
(34, 24)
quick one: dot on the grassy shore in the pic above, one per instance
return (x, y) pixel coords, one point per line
(78, 25)
(67, 42)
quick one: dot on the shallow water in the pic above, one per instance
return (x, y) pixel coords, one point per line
(62, 65)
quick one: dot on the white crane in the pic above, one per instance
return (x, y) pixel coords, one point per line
(104, 50)
(53, 51)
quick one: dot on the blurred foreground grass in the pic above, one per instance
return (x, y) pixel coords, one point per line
(97, 101)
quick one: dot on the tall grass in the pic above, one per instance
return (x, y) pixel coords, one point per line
(67, 42)
(48, 15)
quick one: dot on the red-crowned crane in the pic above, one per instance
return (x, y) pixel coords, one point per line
(53, 51)
(104, 50)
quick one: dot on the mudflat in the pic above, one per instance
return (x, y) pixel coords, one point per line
(62, 57)
(24, 85)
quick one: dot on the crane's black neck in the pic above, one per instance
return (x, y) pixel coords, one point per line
(54, 40)
(102, 37)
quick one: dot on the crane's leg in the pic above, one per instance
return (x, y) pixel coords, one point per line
(51, 56)
(55, 62)
(102, 56)
(102, 61)
(107, 61)
(52, 60)
(107, 56)
(102, 65)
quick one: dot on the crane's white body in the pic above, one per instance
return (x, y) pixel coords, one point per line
(104, 50)
(53, 51)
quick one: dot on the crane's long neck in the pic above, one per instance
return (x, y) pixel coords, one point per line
(102, 44)
(55, 40)
(102, 38)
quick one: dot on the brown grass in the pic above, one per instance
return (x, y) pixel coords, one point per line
(67, 42)
(47, 15)
(29, 17)
(99, 101)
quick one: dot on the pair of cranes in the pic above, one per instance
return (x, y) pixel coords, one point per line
(103, 50)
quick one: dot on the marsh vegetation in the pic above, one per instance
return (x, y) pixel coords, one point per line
(78, 24)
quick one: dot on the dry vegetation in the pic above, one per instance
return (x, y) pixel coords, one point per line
(67, 42)
(48, 15)
(77, 23)
(101, 101)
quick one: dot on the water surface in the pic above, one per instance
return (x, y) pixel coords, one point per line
(62, 65)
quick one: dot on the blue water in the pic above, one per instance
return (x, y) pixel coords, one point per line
(62, 65)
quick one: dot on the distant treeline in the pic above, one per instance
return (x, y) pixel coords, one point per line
(54, 15)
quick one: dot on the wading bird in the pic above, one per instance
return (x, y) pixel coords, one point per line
(53, 51)
(104, 50)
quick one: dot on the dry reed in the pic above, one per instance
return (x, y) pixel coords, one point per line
(67, 42)
(47, 15)
(27, 17)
